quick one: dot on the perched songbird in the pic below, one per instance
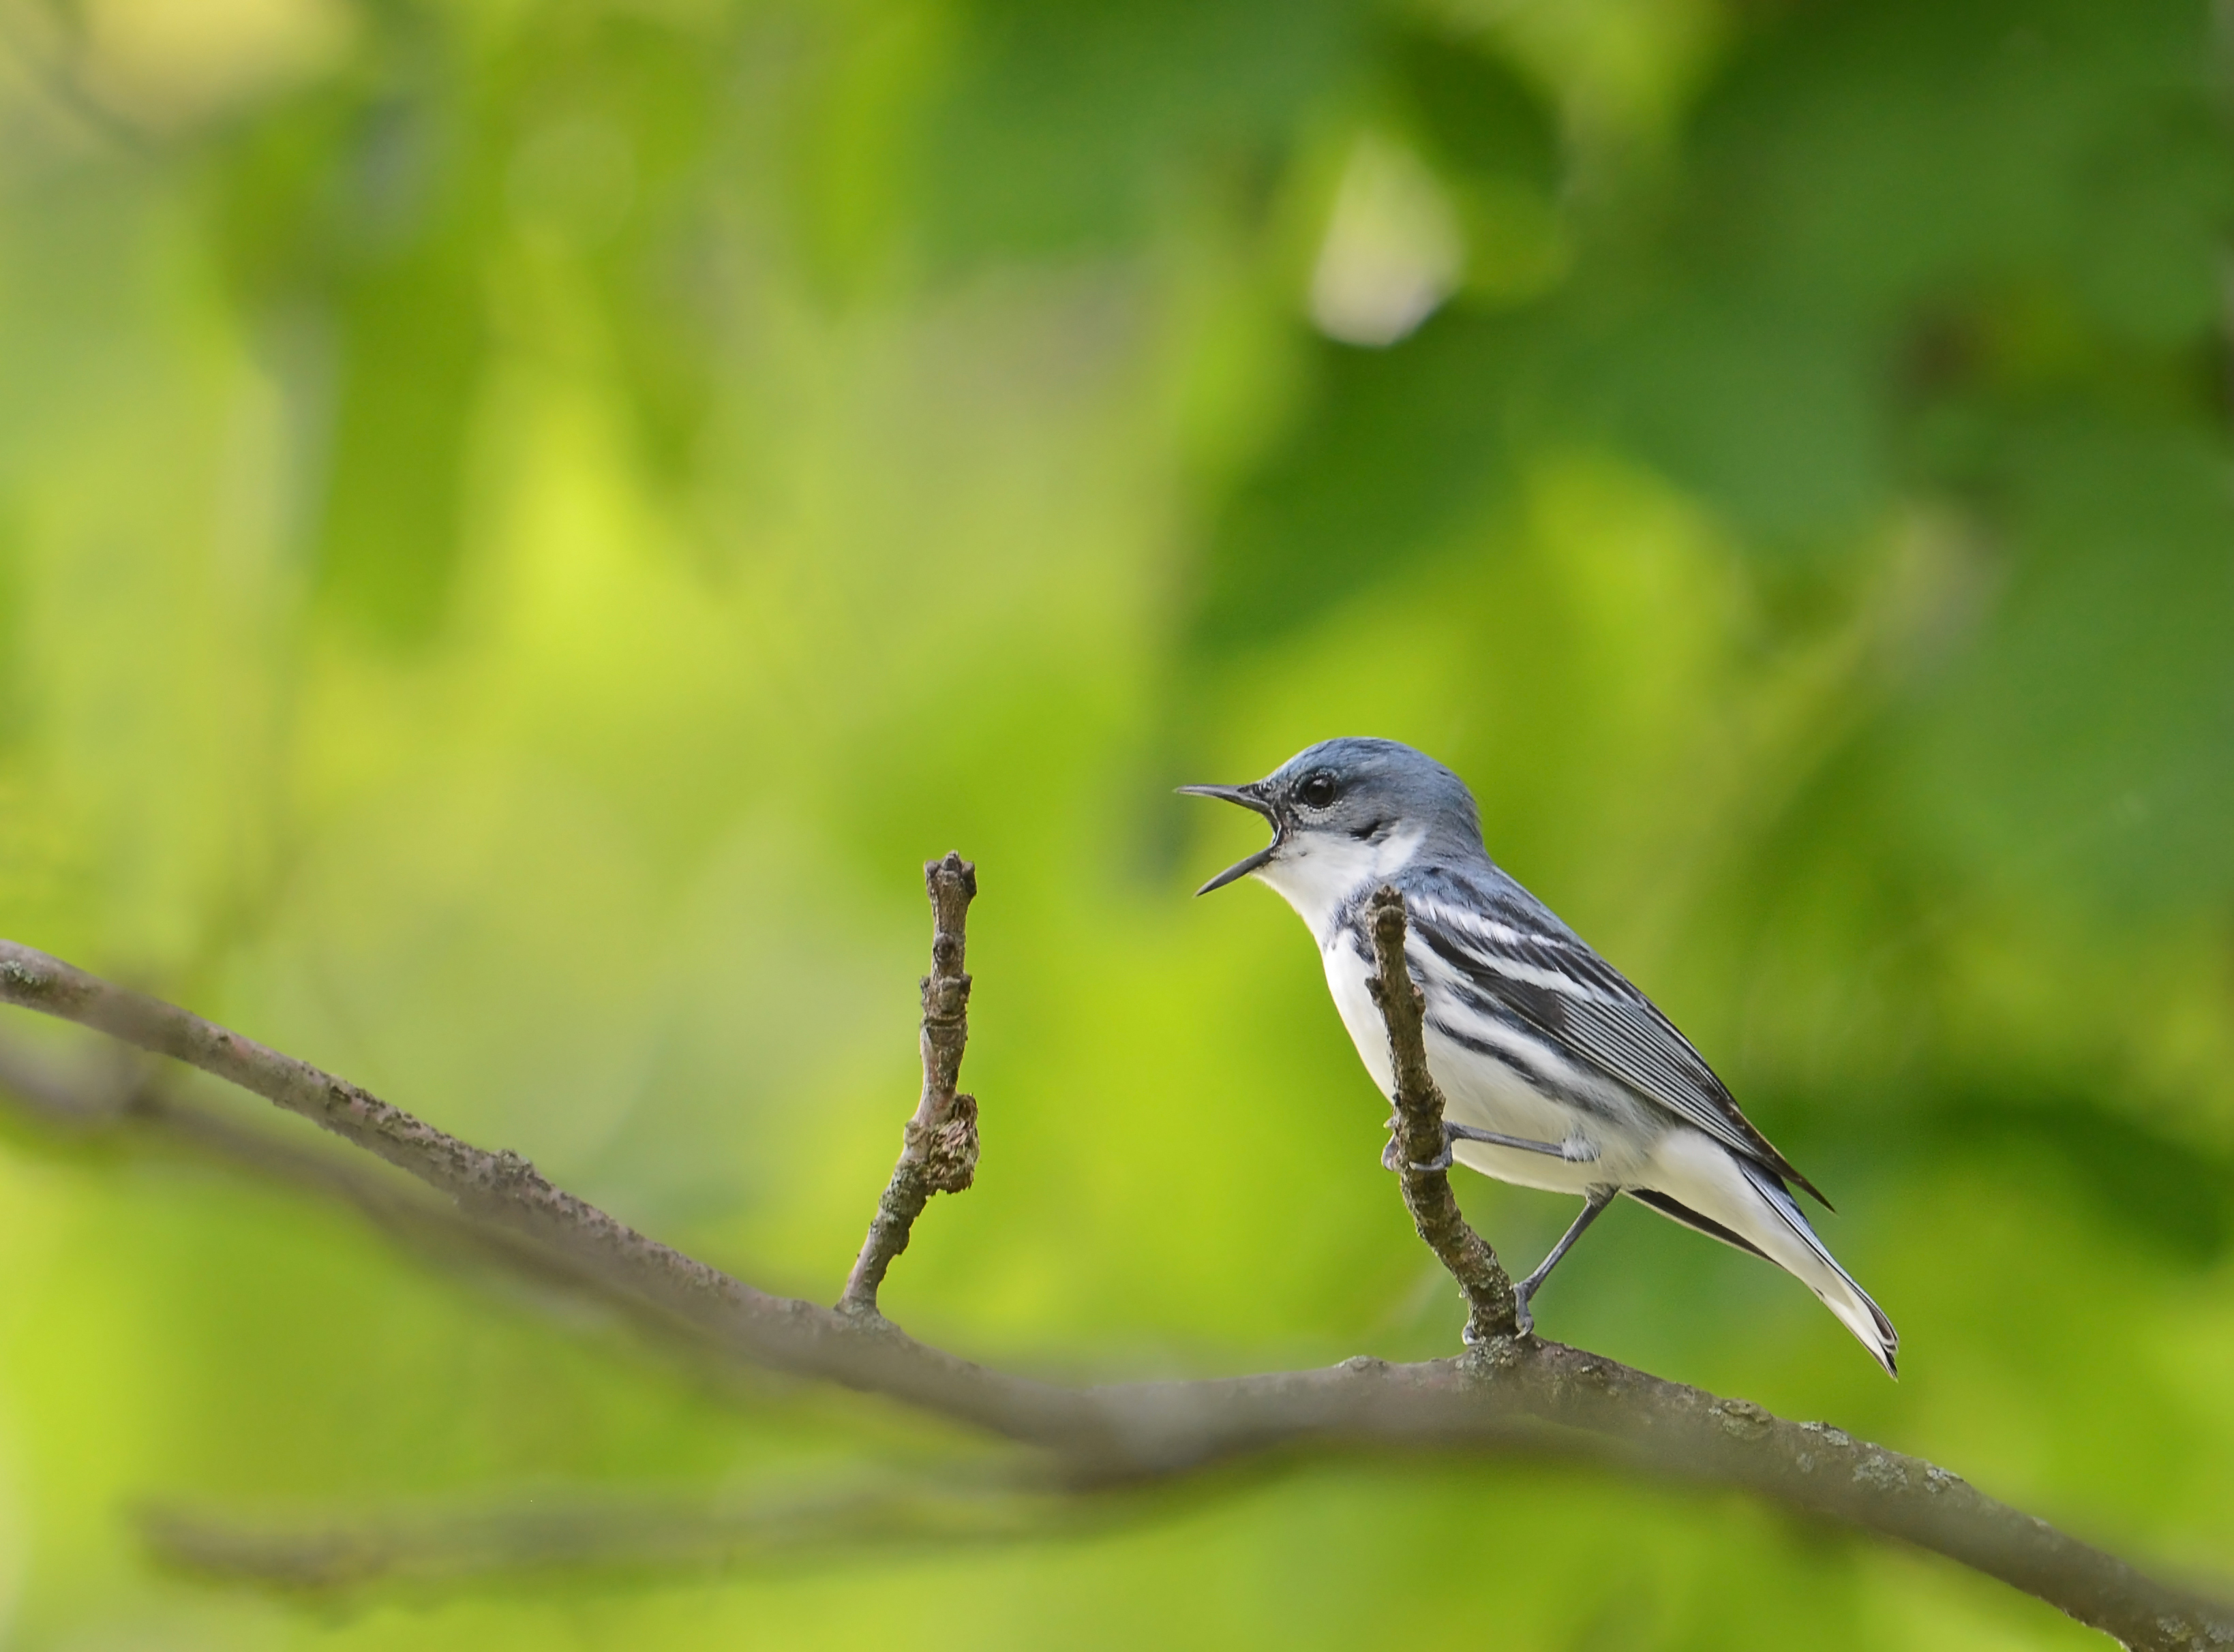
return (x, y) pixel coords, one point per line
(1556, 1073)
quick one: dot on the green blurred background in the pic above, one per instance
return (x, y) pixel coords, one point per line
(523, 522)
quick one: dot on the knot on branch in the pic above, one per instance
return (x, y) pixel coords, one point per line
(504, 1173)
(947, 1149)
(36, 981)
(1741, 1419)
(946, 998)
(348, 1100)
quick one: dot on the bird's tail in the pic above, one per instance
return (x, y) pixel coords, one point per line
(1788, 1240)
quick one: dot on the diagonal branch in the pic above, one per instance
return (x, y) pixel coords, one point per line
(1505, 1393)
(1419, 1134)
(506, 1192)
(313, 1552)
(938, 1153)
(138, 1113)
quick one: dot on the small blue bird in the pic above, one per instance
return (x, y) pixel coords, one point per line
(1556, 1073)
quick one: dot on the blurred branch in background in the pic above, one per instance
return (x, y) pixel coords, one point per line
(326, 1553)
(1506, 1392)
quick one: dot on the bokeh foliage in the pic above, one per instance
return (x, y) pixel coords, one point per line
(522, 522)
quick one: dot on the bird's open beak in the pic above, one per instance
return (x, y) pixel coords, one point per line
(1249, 797)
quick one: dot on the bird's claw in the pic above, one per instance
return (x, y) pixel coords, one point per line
(1522, 1320)
(1392, 1154)
(1574, 1151)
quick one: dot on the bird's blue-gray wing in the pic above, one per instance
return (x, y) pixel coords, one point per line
(1540, 974)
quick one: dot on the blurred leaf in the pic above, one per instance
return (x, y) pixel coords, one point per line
(1069, 128)
(1399, 446)
(364, 211)
(2088, 744)
(2136, 1179)
(408, 369)
(1480, 116)
(1766, 405)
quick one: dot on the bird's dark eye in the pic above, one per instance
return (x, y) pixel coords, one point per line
(1317, 790)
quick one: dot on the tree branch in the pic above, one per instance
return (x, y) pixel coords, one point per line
(1503, 1393)
(504, 1191)
(318, 1553)
(939, 1152)
(135, 1111)
(1491, 1310)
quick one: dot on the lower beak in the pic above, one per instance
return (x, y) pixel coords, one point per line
(1249, 797)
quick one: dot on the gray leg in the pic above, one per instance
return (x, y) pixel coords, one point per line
(1466, 1132)
(1597, 1199)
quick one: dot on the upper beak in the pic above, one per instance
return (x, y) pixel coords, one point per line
(1249, 797)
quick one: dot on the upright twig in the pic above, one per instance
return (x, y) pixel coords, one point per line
(1491, 1310)
(939, 1152)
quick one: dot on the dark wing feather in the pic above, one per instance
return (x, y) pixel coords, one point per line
(1690, 1218)
(1545, 976)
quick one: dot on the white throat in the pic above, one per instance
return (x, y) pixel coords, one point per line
(1318, 872)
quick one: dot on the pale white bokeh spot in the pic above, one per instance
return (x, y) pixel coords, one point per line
(1392, 250)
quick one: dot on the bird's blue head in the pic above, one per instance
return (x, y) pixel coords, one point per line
(1347, 811)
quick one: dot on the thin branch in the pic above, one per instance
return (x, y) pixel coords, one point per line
(132, 1111)
(1491, 1310)
(939, 1152)
(504, 1190)
(1502, 1392)
(426, 1550)
(322, 1553)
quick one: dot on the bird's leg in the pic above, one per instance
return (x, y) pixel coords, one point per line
(1596, 1200)
(1466, 1132)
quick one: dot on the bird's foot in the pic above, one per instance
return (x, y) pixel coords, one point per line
(1391, 1157)
(1572, 1151)
(1524, 1290)
(1523, 1324)
(1392, 1154)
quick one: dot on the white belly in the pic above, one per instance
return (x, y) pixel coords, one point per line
(1487, 1094)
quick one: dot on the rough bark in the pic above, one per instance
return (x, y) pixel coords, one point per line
(938, 1150)
(1419, 1134)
